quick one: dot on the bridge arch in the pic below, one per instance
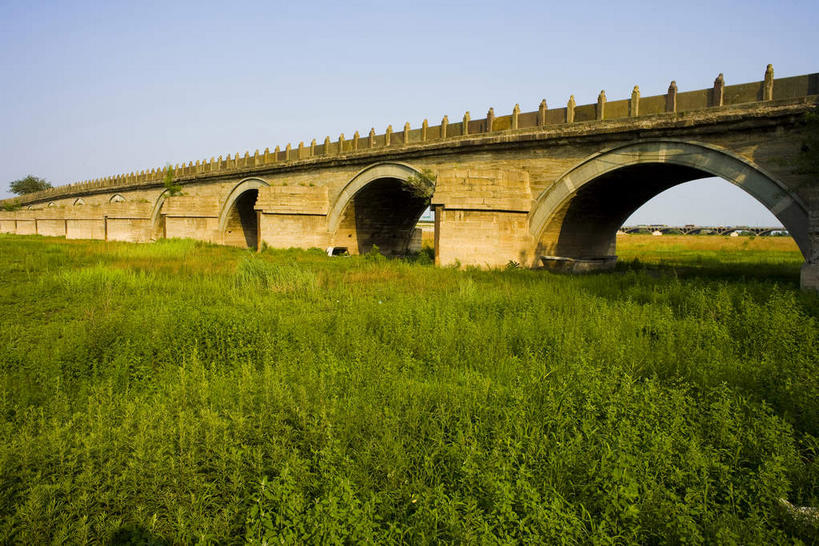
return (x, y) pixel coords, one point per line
(157, 228)
(578, 216)
(238, 221)
(376, 207)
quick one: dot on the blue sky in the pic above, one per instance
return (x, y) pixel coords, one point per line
(92, 89)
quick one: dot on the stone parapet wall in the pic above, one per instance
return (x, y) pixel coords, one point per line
(720, 95)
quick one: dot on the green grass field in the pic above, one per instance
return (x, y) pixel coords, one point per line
(179, 392)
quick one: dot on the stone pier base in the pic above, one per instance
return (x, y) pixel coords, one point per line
(578, 265)
(810, 277)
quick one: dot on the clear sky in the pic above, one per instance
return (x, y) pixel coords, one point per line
(91, 89)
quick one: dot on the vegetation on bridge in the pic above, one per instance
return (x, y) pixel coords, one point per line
(179, 392)
(423, 184)
(29, 184)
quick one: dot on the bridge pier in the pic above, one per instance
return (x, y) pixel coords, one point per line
(293, 216)
(481, 217)
(194, 217)
(809, 277)
(278, 230)
(482, 238)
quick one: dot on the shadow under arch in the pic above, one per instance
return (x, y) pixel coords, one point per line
(578, 216)
(377, 207)
(238, 220)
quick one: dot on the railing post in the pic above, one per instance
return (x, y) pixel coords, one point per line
(634, 103)
(570, 109)
(424, 127)
(767, 89)
(465, 128)
(444, 124)
(490, 120)
(671, 98)
(718, 96)
(372, 137)
(541, 113)
(515, 116)
(600, 112)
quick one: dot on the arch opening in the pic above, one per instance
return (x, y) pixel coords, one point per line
(578, 218)
(157, 218)
(242, 221)
(384, 213)
(707, 205)
(586, 226)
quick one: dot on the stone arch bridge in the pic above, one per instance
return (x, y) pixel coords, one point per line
(548, 187)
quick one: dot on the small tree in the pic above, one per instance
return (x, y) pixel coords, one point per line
(173, 189)
(29, 184)
(423, 183)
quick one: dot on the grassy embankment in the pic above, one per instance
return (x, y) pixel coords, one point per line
(180, 392)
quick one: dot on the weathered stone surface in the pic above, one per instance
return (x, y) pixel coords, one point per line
(809, 277)
(481, 237)
(293, 200)
(192, 206)
(483, 189)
